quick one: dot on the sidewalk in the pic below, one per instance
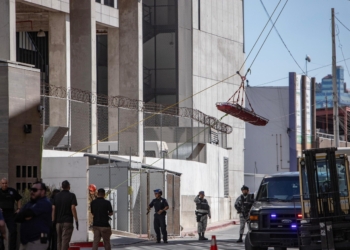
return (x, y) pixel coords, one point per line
(210, 227)
(119, 238)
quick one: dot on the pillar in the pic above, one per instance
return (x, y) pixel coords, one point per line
(303, 113)
(131, 80)
(19, 98)
(59, 73)
(113, 81)
(313, 111)
(83, 74)
(8, 30)
(346, 124)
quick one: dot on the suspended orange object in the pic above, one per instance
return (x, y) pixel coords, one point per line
(237, 110)
(244, 114)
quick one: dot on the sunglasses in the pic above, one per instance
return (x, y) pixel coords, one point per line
(34, 190)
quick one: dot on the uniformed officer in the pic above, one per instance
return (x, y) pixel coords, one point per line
(8, 197)
(92, 196)
(243, 209)
(202, 214)
(160, 206)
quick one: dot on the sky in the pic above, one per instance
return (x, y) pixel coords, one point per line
(305, 26)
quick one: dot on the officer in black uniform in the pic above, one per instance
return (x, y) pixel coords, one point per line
(8, 197)
(160, 206)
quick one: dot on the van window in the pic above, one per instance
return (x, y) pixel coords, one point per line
(279, 189)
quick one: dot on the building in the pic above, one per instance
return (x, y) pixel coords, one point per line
(267, 148)
(106, 69)
(324, 104)
(294, 125)
(324, 92)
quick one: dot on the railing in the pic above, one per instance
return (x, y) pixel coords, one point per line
(324, 135)
(147, 13)
(147, 76)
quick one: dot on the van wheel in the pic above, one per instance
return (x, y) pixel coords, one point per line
(248, 246)
(280, 248)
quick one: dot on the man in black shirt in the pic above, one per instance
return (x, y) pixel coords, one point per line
(160, 206)
(101, 209)
(8, 197)
(63, 206)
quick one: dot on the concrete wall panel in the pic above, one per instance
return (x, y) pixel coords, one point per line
(218, 53)
(74, 169)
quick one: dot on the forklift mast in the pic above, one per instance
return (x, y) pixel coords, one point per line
(321, 193)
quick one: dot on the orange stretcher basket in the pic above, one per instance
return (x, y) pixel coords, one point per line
(237, 110)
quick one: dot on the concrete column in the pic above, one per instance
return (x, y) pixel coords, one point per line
(131, 79)
(19, 98)
(346, 125)
(313, 111)
(83, 73)
(59, 66)
(303, 113)
(8, 30)
(113, 80)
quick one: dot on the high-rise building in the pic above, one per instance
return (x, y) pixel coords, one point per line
(325, 91)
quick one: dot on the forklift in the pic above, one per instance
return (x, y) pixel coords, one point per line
(325, 198)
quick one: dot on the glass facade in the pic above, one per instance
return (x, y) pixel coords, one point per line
(325, 90)
(160, 72)
(102, 64)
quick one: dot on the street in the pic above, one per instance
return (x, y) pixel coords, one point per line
(226, 239)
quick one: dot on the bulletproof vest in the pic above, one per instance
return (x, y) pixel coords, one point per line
(203, 205)
(245, 206)
(6, 200)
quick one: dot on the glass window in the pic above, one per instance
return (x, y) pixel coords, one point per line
(343, 186)
(18, 171)
(35, 172)
(322, 176)
(29, 171)
(279, 188)
(24, 171)
(159, 50)
(305, 187)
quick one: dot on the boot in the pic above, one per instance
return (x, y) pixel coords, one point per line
(199, 236)
(203, 238)
(240, 238)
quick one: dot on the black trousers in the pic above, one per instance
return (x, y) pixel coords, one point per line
(53, 237)
(12, 228)
(159, 224)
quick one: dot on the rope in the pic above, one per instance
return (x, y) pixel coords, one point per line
(161, 111)
(260, 35)
(167, 153)
(267, 36)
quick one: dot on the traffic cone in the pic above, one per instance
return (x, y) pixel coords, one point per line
(213, 243)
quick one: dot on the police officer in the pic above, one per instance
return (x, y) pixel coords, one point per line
(8, 197)
(202, 214)
(160, 206)
(243, 209)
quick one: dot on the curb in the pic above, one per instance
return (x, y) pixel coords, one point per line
(211, 228)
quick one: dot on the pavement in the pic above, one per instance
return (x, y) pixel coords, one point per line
(226, 237)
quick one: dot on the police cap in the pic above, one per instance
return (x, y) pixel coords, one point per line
(244, 187)
(156, 191)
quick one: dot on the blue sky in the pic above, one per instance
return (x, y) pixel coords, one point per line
(305, 26)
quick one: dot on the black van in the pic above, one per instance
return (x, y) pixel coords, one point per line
(275, 213)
